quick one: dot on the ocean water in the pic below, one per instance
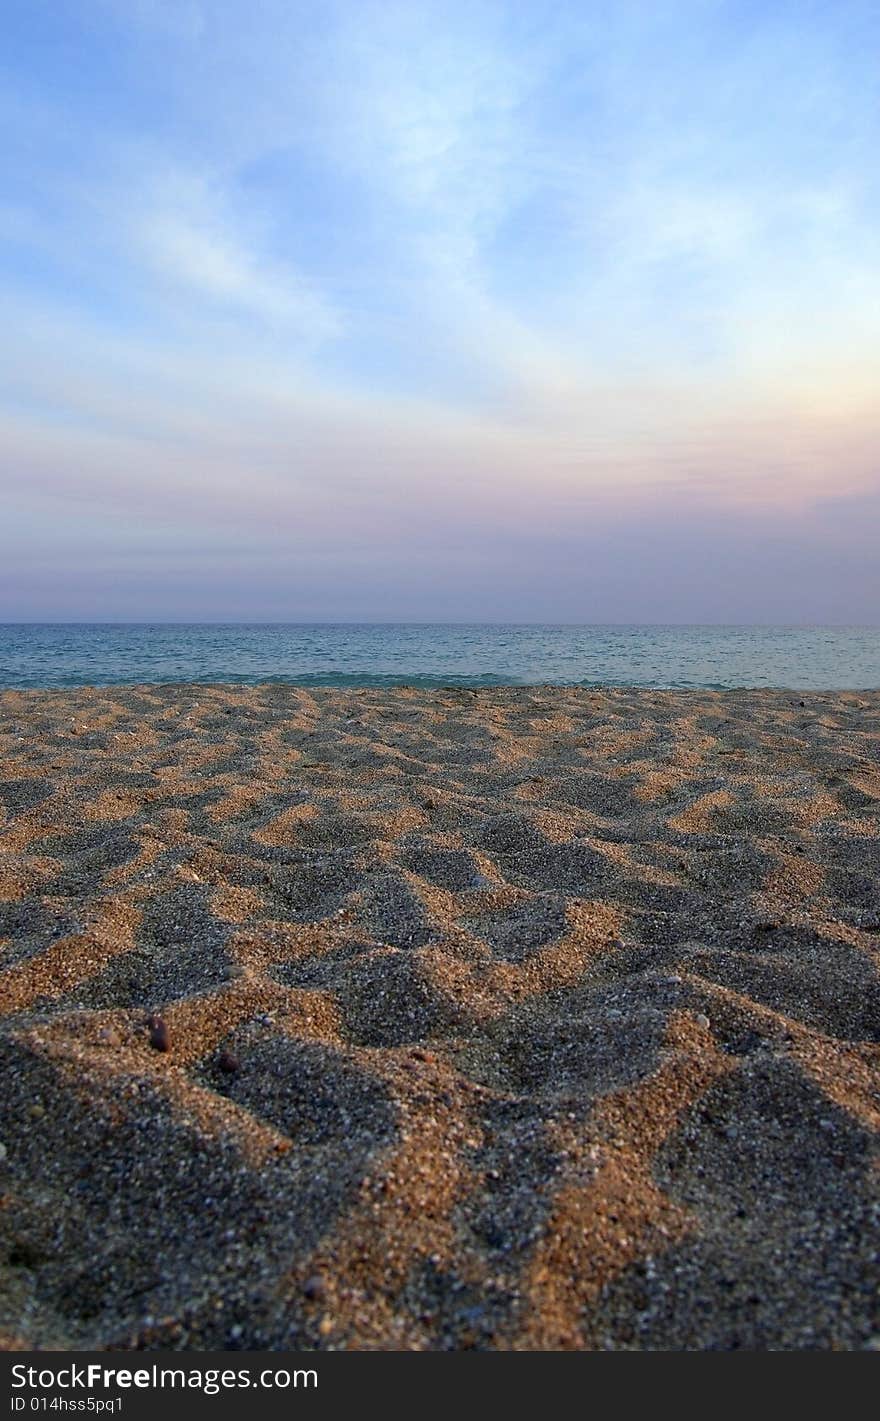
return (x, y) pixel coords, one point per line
(824, 658)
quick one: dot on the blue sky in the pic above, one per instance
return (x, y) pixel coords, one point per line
(465, 310)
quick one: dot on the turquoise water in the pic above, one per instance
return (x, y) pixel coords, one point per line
(481, 655)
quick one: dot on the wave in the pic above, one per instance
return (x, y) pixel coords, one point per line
(344, 680)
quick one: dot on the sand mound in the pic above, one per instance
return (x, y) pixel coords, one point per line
(392, 1019)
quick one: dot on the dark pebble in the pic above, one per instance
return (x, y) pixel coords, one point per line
(159, 1037)
(229, 1063)
(314, 1289)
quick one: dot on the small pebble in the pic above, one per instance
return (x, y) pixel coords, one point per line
(159, 1038)
(313, 1288)
(228, 1063)
(702, 1020)
(37, 1111)
(3, 1152)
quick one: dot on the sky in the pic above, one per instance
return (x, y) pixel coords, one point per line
(365, 310)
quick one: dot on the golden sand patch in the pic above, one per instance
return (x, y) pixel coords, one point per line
(284, 828)
(22, 874)
(700, 817)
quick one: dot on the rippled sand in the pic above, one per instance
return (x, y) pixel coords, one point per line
(511, 1019)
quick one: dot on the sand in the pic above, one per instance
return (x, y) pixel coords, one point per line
(512, 1019)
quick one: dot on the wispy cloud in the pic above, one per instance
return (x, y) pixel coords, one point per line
(428, 281)
(190, 246)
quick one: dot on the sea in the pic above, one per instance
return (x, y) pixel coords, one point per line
(432, 655)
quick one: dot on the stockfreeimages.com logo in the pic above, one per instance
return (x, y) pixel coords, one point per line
(209, 1380)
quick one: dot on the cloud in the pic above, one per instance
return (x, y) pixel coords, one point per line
(192, 243)
(431, 283)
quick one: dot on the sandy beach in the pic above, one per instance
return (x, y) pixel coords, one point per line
(511, 1019)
